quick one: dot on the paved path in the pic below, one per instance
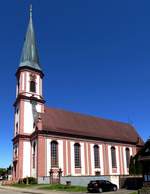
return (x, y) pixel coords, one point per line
(13, 190)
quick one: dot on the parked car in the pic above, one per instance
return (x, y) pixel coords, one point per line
(100, 186)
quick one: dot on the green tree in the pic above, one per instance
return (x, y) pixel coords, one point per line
(131, 166)
(138, 165)
(3, 171)
(135, 167)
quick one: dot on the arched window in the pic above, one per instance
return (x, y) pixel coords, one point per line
(127, 157)
(14, 169)
(15, 152)
(96, 156)
(18, 86)
(113, 157)
(17, 128)
(77, 155)
(32, 86)
(54, 154)
(33, 155)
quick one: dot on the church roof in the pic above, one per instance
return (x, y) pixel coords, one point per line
(76, 124)
(29, 56)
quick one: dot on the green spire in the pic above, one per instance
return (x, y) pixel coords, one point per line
(30, 57)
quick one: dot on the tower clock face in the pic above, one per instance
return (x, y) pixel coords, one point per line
(34, 103)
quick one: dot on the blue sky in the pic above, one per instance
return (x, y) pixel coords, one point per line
(95, 55)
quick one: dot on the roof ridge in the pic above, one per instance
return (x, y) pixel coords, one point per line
(88, 115)
(58, 120)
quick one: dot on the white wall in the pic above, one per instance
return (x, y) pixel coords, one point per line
(109, 160)
(26, 158)
(23, 81)
(28, 117)
(38, 83)
(92, 158)
(48, 156)
(61, 156)
(125, 160)
(17, 119)
(39, 108)
(101, 159)
(84, 180)
(117, 160)
(72, 158)
(27, 81)
(82, 159)
(40, 86)
(34, 170)
(67, 156)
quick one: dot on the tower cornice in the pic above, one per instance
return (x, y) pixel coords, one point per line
(26, 68)
(30, 98)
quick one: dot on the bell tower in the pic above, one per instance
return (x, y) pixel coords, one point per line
(29, 103)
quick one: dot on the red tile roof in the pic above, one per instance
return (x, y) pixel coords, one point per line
(60, 121)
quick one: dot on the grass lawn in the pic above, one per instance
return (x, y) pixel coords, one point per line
(24, 185)
(60, 187)
(56, 187)
(134, 192)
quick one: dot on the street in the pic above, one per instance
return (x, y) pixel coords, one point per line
(5, 191)
(33, 191)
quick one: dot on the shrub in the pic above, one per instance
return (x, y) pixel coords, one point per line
(29, 180)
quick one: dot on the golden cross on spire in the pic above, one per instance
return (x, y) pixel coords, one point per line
(31, 11)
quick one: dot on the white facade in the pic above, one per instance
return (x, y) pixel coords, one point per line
(26, 158)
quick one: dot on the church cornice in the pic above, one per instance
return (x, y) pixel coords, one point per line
(46, 133)
(66, 135)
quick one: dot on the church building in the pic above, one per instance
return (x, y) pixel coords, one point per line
(49, 139)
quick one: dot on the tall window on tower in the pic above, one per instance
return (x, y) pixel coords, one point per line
(77, 155)
(17, 128)
(18, 86)
(32, 86)
(33, 155)
(54, 154)
(96, 156)
(32, 83)
(113, 157)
